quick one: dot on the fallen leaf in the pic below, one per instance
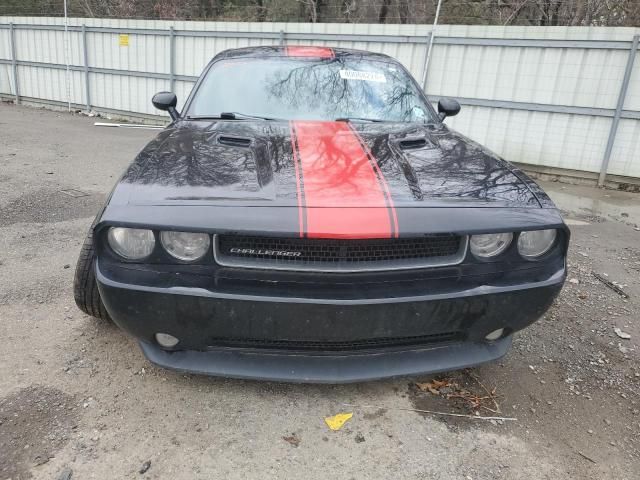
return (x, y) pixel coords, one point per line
(427, 387)
(622, 334)
(441, 383)
(337, 421)
(293, 440)
(433, 386)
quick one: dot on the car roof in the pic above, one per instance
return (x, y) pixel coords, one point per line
(300, 51)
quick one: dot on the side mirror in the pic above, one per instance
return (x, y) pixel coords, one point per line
(166, 101)
(448, 107)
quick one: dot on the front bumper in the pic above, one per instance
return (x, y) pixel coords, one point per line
(328, 340)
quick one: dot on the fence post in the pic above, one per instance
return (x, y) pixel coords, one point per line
(426, 60)
(87, 91)
(616, 117)
(172, 59)
(282, 40)
(14, 61)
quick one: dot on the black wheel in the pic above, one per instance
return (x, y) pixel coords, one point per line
(85, 287)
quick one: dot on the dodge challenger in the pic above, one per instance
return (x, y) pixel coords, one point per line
(309, 217)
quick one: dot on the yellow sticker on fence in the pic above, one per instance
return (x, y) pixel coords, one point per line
(124, 40)
(337, 421)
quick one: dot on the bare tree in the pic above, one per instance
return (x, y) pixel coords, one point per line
(311, 9)
(477, 12)
(384, 11)
(403, 10)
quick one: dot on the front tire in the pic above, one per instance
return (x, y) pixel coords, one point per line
(85, 287)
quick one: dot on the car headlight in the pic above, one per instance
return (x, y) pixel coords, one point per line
(536, 243)
(131, 243)
(490, 244)
(185, 246)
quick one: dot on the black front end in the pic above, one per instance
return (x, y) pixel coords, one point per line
(326, 310)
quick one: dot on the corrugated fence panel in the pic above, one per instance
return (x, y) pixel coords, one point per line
(129, 51)
(633, 95)
(6, 82)
(36, 82)
(625, 158)
(561, 76)
(42, 82)
(121, 92)
(626, 151)
(30, 43)
(486, 77)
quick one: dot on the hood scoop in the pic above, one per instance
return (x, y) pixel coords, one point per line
(230, 141)
(412, 143)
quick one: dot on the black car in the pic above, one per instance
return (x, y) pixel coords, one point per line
(309, 217)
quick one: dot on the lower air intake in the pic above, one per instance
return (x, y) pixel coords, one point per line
(330, 346)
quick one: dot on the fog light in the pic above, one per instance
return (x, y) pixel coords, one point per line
(166, 340)
(495, 335)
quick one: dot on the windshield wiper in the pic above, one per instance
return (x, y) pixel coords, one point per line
(229, 116)
(358, 119)
(240, 116)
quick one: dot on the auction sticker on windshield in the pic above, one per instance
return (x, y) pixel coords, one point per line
(367, 76)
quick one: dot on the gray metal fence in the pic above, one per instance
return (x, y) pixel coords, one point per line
(566, 98)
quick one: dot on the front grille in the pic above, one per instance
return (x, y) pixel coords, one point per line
(338, 255)
(333, 346)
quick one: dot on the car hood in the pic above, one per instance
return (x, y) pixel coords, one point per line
(320, 164)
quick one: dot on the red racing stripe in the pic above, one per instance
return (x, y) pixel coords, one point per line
(302, 51)
(383, 183)
(344, 193)
(299, 189)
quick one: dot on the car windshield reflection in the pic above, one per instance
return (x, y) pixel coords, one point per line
(310, 89)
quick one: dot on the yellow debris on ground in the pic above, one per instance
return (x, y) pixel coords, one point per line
(337, 421)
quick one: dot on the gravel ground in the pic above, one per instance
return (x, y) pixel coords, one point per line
(78, 400)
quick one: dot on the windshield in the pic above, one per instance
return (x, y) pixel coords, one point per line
(310, 89)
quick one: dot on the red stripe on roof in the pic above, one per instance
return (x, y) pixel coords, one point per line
(302, 51)
(343, 194)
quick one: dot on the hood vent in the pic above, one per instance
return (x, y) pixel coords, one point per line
(235, 141)
(411, 143)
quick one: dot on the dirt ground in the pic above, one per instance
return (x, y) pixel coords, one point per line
(78, 399)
